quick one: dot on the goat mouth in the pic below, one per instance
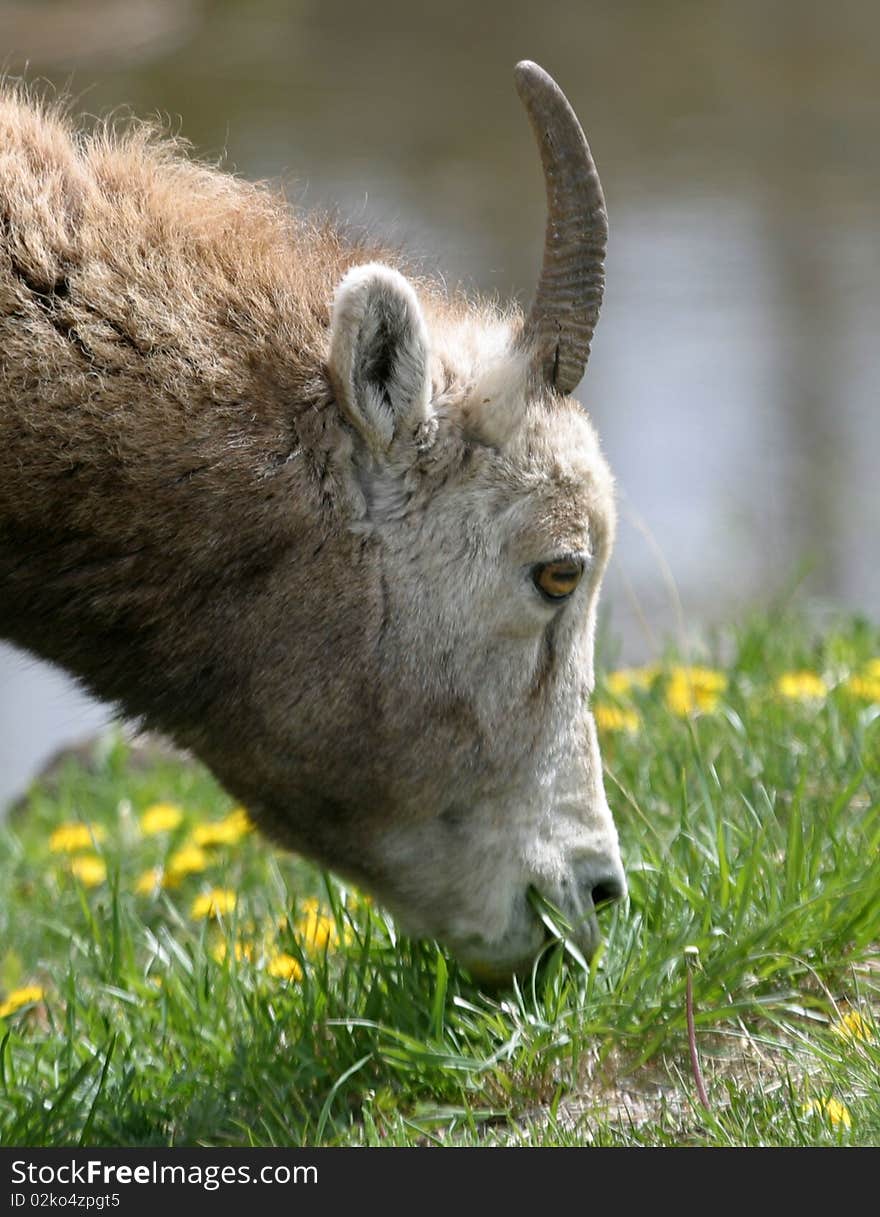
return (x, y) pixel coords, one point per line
(579, 935)
(495, 962)
(539, 926)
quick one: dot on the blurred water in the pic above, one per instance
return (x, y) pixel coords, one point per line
(735, 368)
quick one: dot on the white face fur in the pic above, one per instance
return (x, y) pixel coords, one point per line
(493, 511)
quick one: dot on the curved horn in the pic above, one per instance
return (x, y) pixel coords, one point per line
(559, 327)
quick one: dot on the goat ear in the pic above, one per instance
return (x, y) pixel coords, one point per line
(379, 355)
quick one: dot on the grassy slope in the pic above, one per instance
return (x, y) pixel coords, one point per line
(751, 831)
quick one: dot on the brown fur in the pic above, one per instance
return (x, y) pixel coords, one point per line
(163, 330)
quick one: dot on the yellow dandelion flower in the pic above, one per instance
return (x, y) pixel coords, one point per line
(691, 689)
(835, 1112)
(89, 869)
(615, 718)
(149, 882)
(801, 686)
(70, 838)
(21, 997)
(239, 821)
(852, 1026)
(315, 929)
(215, 903)
(867, 688)
(240, 951)
(223, 832)
(160, 817)
(284, 967)
(189, 860)
(624, 680)
(872, 668)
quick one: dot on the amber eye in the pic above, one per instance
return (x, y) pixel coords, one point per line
(556, 580)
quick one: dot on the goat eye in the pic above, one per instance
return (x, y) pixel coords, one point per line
(557, 580)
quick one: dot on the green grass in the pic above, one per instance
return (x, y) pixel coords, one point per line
(751, 832)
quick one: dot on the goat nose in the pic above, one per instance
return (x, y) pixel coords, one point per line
(607, 889)
(600, 881)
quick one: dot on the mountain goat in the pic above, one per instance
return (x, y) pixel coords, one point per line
(334, 530)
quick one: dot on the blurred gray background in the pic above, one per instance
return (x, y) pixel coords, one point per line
(734, 373)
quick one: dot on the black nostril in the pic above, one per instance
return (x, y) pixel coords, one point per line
(607, 890)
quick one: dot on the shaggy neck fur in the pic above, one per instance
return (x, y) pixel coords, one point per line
(166, 427)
